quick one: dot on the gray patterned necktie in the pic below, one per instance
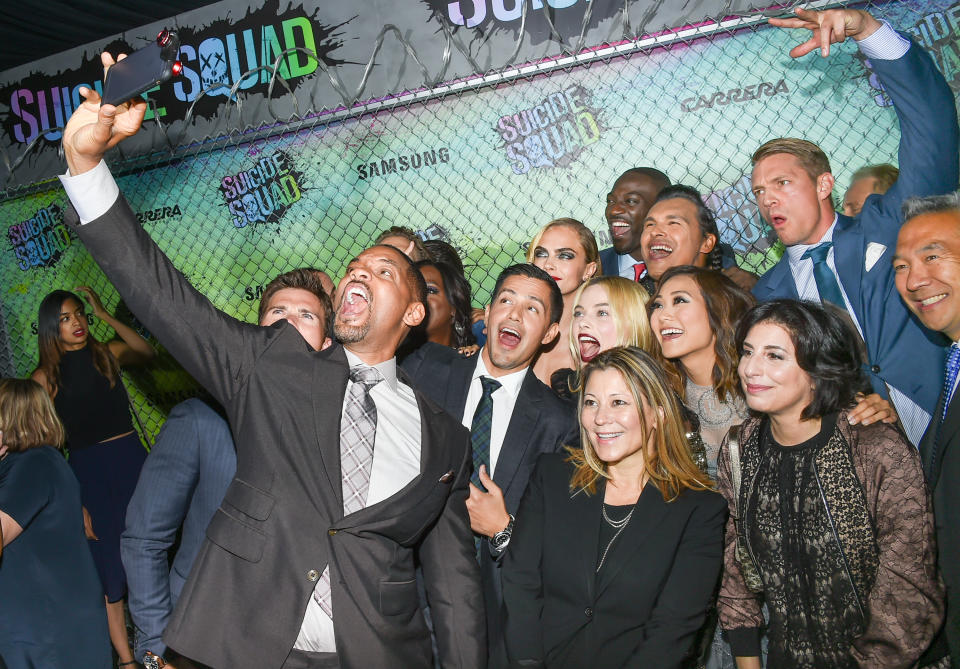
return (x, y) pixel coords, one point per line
(357, 432)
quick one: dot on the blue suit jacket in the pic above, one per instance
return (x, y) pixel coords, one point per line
(183, 481)
(901, 351)
(610, 262)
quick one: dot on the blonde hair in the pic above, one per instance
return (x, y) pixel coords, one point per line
(589, 243)
(668, 463)
(27, 416)
(628, 304)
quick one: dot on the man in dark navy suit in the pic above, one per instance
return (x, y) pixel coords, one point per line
(524, 419)
(846, 261)
(927, 270)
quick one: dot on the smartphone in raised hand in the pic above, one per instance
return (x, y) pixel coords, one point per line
(143, 69)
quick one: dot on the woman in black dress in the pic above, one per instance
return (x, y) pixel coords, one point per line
(82, 376)
(51, 602)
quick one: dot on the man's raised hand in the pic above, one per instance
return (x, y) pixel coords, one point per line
(830, 27)
(93, 128)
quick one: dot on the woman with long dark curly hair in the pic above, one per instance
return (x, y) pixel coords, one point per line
(82, 376)
(449, 312)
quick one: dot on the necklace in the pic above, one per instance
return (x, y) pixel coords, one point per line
(616, 524)
(619, 526)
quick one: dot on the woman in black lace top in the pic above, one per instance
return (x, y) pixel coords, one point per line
(834, 529)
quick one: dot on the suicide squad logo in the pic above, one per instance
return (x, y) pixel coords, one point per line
(41, 240)
(552, 133)
(214, 58)
(263, 193)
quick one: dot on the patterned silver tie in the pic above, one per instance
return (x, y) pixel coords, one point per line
(357, 432)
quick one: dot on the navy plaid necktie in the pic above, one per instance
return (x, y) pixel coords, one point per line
(827, 284)
(480, 429)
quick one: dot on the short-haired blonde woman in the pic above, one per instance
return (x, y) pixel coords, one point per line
(52, 612)
(620, 545)
(566, 250)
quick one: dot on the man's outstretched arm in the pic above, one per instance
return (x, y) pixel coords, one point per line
(213, 347)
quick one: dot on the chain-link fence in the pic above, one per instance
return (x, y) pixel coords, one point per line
(481, 163)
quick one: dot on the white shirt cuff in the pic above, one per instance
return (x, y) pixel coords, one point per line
(92, 193)
(885, 44)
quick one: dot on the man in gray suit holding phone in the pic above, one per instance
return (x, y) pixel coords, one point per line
(344, 472)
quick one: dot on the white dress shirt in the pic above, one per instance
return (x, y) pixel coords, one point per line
(625, 266)
(504, 399)
(396, 462)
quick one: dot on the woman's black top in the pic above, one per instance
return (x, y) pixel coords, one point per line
(813, 608)
(89, 408)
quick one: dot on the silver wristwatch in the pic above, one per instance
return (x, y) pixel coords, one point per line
(151, 661)
(500, 540)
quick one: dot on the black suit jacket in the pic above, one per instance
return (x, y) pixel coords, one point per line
(650, 599)
(541, 423)
(943, 478)
(282, 521)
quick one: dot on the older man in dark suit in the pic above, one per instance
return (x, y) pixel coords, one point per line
(512, 415)
(343, 470)
(927, 270)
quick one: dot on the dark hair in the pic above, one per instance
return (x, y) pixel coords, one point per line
(457, 293)
(705, 217)
(826, 349)
(304, 278)
(445, 252)
(402, 231)
(651, 173)
(48, 342)
(726, 302)
(533, 272)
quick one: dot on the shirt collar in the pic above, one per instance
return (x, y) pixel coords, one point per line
(510, 382)
(625, 260)
(795, 252)
(387, 368)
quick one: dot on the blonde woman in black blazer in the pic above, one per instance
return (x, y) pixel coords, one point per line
(617, 548)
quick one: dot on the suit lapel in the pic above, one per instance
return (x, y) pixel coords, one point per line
(649, 512)
(458, 384)
(949, 431)
(520, 431)
(848, 259)
(586, 514)
(330, 373)
(780, 280)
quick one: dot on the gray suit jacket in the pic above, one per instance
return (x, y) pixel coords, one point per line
(282, 521)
